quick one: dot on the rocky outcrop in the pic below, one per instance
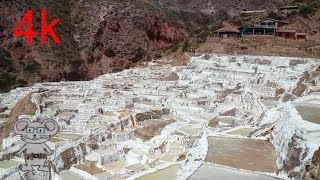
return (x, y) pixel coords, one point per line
(213, 122)
(161, 32)
(148, 132)
(170, 77)
(155, 114)
(72, 156)
(308, 77)
(69, 158)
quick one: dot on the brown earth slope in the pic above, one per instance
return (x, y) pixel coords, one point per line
(23, 107)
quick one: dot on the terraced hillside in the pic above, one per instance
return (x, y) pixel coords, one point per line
(218, 116)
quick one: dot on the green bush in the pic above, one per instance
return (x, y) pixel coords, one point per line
(305, 10)
(185, 46)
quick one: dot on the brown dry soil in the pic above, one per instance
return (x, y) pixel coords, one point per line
(148, 132)
(92, 170)
(260, 45)
(22, 107)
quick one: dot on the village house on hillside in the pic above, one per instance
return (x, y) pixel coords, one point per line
(264, 27)
(290, 34)
(228, 31)
(272, 23)
(257, 30)
(301, 36)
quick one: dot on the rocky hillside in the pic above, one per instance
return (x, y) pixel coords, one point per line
(101, 36)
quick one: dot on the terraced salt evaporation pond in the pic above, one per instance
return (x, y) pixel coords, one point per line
(68, 175)
(242, 132)
(207, 171)
(166, 173)
(309, 112)
(9, 164)
(248, 154)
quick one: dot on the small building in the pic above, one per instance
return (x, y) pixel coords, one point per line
(287, 34)
(289, 9)
(272, 23)
(302, 36)
(257, 30)
(254, 13)
(228, 31)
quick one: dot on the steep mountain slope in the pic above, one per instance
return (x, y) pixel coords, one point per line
(101, 36)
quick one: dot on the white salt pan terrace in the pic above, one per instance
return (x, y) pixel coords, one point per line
(102, 114)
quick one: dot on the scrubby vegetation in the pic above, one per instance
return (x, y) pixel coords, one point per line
(32, 67)
(305, 10)
(186, 46)
(308, 7)
(203, 34)
(5, 60)
(172, 48)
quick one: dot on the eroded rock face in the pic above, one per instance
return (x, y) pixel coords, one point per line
(126, 34)
(294, 153)
(161, 32)
(313, 168)
(69, 158)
